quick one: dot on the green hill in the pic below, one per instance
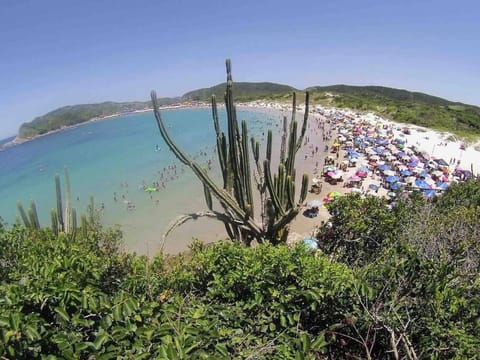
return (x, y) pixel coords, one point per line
(76, 114)
(404, 106)
(244, 91)
(395, 104)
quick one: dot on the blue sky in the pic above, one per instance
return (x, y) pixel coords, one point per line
(56, 53)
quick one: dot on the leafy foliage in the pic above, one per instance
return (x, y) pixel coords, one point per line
(421, 273)
(82, 298)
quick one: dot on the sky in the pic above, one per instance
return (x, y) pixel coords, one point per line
(55, 52)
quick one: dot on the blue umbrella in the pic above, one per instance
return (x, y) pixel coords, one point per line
(401, 154)
(424, 174)
(422, 184)
(406, 172)
(364, 168)
(384, 167)
(373, 187)
(354, 155)
(412, 163)
(392, 179)
(396, 186)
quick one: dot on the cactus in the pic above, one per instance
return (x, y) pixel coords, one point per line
(68, 209)
(23, 214)
(33, 215)
(277, 191)
(54, 220)
(58, 191)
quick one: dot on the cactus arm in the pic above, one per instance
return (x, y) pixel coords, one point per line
(216, 123)
(163, 131)
(23, 214)
(290, 192)
(68, 209)
(58, 191)
(294, 106)
(269, 145)
(208, 197)
(271, 189)
(305, 120)
(54, 220)
(284, 140)
(84, 226)
(32, 212)
(246, 168)
(304, 189)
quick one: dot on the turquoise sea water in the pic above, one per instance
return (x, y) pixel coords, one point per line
(119, 155)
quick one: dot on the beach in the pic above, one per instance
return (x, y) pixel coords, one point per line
(141, 186)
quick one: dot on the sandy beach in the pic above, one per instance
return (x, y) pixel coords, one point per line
(310, 160)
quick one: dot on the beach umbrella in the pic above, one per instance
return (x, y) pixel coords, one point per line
(331, 174)
(355, 178)
(421, 184)
(333, 194)
(373, 187)
(389, 172)
(392, 179)
(314, 203)
(310, 243)
(395, 186)
(405, 172)
(362, 174)
(356, 190)
(384, 167)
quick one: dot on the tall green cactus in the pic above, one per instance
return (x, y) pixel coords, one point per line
(277, 191)
(58, 192)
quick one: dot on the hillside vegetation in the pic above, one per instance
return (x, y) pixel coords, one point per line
(76, 114)
(244, 91)
(399, 283)
(395, 104)
(404, 106)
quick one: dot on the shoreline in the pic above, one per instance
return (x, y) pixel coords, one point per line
(18, 141)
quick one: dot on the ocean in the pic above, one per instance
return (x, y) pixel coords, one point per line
(113, 160)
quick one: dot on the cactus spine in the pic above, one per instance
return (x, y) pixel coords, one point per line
(277, 192)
